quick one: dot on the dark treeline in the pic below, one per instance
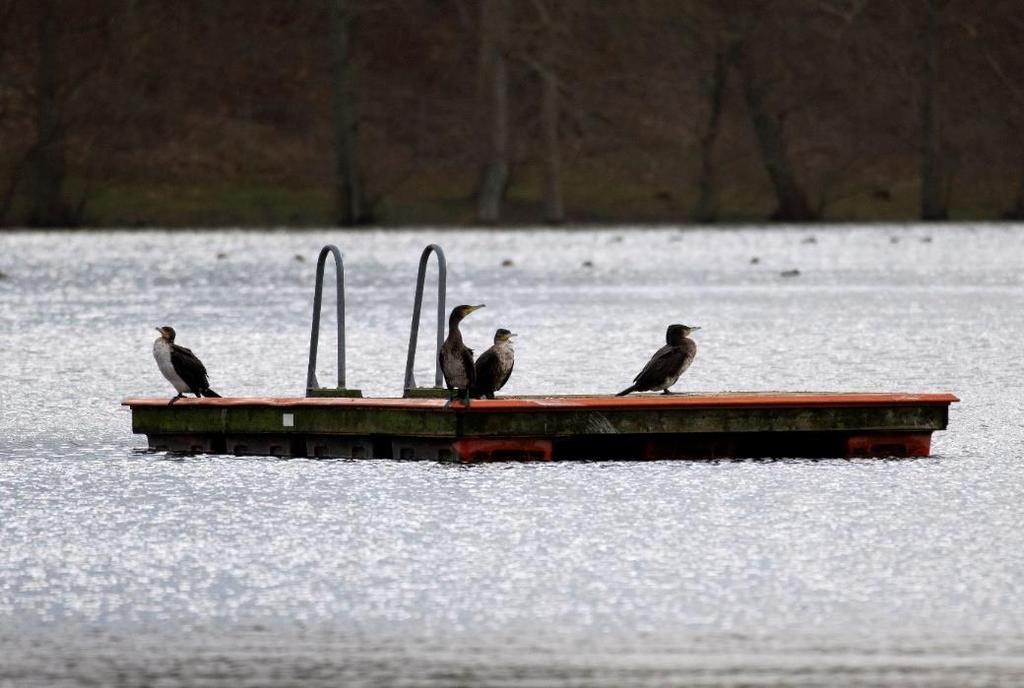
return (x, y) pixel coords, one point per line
(207, 112)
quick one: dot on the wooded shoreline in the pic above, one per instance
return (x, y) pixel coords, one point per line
(133, 113)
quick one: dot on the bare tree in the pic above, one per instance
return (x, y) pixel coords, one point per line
(703, 27)
(792, 204)
(6, 12)
(1012, 113)
(7, 196)
(714, 85)
(554, 207)
(494, 26)
(933, 205)
(551, 112)
(43, 93)
(541, 55)
(350, 199)
(47, 161)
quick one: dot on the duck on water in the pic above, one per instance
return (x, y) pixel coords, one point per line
(180, 366)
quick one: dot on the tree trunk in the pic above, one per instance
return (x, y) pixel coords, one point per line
(1016, 212)
(48, 158)
(792, 202)
(707, 206)
(7, 199)
(933, 206)
(554, 211)
(350, 199)
(494, 91)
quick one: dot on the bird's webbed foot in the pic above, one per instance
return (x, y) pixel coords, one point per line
(665, 391)
(180, 396)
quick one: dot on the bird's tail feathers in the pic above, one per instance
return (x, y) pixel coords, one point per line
(210, 393)
(631, 388)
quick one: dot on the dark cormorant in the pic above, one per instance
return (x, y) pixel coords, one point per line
(455, 357)
(180, 366)
(667, 364)
(494, 366)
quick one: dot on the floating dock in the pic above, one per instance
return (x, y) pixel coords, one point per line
(337, 422)
(545, 428)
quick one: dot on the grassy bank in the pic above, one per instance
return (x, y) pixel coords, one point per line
(590, 197)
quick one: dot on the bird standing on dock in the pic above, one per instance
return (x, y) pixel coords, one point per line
(494, 366)
(668, 362)
(456, 358)
(180, 366)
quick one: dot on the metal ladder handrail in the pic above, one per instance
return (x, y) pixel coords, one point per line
(442, 268)
(314, 335)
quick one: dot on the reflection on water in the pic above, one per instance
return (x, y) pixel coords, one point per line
(122, 567)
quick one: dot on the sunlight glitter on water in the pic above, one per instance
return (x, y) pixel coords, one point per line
(386, 572)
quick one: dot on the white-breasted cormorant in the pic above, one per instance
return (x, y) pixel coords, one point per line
(494, 366)
(455, 357)
(667, 364)
(180, 366)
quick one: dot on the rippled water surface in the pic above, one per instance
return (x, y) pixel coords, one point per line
(123, 567)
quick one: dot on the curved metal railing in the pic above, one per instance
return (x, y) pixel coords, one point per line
(442, 270)
(312, 385)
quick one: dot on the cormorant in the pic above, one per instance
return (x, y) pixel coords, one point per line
(667, 364)
(180, 366)
(455, 357)
(494, 366)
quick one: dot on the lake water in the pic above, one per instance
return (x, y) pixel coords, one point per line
(120, 567)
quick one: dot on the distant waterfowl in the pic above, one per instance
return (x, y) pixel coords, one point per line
(456, 358)
(790, 273)
(668, 362)
(180, 366)
(494, 366)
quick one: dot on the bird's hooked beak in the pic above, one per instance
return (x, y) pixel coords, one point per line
(476, 308)
(694, 329)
